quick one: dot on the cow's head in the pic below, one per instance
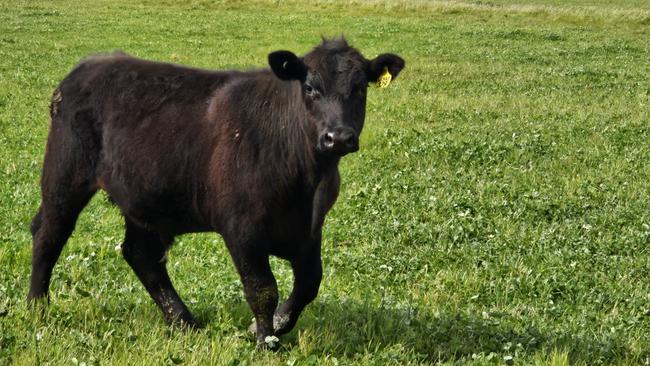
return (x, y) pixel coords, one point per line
(334, 79)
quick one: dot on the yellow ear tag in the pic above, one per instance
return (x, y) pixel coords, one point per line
(384, 78)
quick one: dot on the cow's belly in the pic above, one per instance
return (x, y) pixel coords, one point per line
(167, 212)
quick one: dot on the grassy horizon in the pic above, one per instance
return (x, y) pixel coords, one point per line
(497, 212)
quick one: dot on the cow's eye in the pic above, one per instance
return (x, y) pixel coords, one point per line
(311, 91)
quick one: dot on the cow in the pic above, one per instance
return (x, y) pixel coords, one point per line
(252, 155)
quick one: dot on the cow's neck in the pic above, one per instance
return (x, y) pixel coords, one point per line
(288, 150)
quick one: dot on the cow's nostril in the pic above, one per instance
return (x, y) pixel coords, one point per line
(339, 141)
(328, 139)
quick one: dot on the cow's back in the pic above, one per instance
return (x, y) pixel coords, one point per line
(124, 91)
(146, 119)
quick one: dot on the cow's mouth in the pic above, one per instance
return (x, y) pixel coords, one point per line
(340, 141)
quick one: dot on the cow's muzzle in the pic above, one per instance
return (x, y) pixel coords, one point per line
(338, 141)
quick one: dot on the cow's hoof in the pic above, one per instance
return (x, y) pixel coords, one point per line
(189, 325)
(269, 343)
(184, 322)
(39, 300)
(280, 325)
(38, 305)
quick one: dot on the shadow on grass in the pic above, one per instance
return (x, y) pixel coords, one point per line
(390, 331)
(350, 329)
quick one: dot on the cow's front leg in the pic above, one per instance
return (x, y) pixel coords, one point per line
(307, 273)
(260, 288)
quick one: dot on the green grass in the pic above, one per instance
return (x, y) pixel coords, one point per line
(499, 208)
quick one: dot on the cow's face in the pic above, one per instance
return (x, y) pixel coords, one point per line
(334, 79)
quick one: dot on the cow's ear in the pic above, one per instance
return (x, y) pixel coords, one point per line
(287, 66)
(386, 62)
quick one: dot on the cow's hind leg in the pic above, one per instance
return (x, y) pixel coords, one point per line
(36, 223)
(146, 253)
(67, 184)
(51, 227)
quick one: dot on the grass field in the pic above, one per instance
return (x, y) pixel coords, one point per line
(497, 213)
